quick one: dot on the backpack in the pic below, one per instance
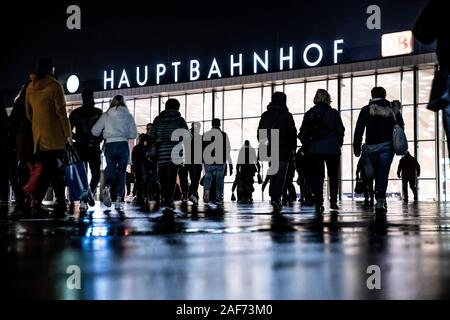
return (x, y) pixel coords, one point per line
(399, 140)
(316, 127)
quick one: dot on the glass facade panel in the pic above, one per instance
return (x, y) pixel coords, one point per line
(295, 97)
(408, 88)
(425, 78)
(346, 94)
(142, 112)
(218, 105)
(408, 118)
(392, 83)
(250, 128)
(333, 91)
(194, 107)
(267, 96)
(154, 108)
(427, 159)
(346, 117)
(427, 125)
(208, 109)
(232, 104)
(234, 130)
(252, 102)
(361, 90)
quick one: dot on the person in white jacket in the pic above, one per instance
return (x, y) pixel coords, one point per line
(117, 126)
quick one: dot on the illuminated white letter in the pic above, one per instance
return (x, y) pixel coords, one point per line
(138, 78)
(337, 50)
(195, 70)
(74, 21)
(175, 65)
(214, 69)
(234, 64)
(374, 21)
(257, 60)
(160, 71)
(289, 58)
(124, 79)
(305, 55)
(106, 80)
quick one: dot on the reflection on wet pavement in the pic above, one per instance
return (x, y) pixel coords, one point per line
(242, 252)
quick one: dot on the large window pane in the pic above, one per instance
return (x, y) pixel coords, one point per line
(250, 129)
(427, 190)
(267, 96)
(218, 105)
(208, 112)
(427, 125)
(311, 89)
(142, 111)
(346, 94)
(425, 79)
(346, 117)
(194, 107)
(234, 131)
(154, 108)
(408, 88)
(333, 91)
(391, 82)
(252, 102)
(232, 104)
(427, 159)
(408, 118)
(346, 159)
(130, 104)
(362, 87)
(295, 97)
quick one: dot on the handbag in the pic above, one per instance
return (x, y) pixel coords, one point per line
(399, 140)
(359, 186)
(75, 175)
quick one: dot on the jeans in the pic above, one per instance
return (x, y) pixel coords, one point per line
(381, 159)
(278, 180)
(168, 177)
(92, 157)
(217, 171)
(318, 175)
(195, 172)
(117, 158)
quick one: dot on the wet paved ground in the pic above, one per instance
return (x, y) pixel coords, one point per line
(242, 253)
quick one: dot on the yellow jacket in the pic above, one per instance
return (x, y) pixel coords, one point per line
(46, 108)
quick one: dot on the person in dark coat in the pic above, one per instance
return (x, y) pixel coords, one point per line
(23, 166)
(431, 26)
(215, 164)
(195, 168)
(369, 192)
(278, 117)
(88, 147)
(161, 133)
(322, 135)
(409, 170)
(141, 169)
(377, 120)
(247, 166)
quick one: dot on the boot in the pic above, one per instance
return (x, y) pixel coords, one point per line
(381, 205)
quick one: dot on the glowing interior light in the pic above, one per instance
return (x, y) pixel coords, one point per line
(73, 83)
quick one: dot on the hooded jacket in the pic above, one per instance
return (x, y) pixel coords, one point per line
(279, 117)
(408, 167)
(377, 121)
(164, 125)
(332, 125)
(45, 107)
(117, 125)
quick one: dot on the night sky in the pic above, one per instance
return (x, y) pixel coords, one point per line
(131, 33)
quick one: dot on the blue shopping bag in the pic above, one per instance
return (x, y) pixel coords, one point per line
(75, 175)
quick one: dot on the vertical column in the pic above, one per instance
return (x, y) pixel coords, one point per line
(415, 115)
(339, 105)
